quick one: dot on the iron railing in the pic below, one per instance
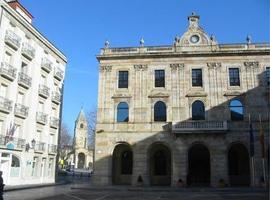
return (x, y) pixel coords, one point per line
(12, 39)
(24, 80)
(21, 110)
(8, 71)
(41, 118)
(5, 105)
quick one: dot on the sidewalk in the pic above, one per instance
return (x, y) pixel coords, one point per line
(32, 186)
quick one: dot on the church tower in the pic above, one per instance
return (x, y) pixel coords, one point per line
(81, 141)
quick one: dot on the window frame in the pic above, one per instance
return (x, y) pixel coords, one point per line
(195, 80)
(123, 78)
(159, 78)
(232, 79)
(198, 117)
(267, 74)
(118, 110)
(157, 116)
(230, 107)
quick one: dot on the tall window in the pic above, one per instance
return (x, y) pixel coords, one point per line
(198, 110)
(122, 112)
(159, 78)
(24, 68)
(123, 79)
(160, 114)
(126, 162)
(237, 111)
(234, 77)
(268, 75)
(197, 77)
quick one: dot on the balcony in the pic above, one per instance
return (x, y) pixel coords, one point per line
(52, 148)
(8, 71)
(54, 122)
(58, 74)
(56, 97)
(24, 80)
(46, 65)
(5, 105)
(41, 118)
(39, 147)
(200, 127)
(44, 91)
(28, 51)
(12, 39)
(21, 111)
(11, 142)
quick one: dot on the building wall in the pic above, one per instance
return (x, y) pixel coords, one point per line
(45, 130)
(140, 132)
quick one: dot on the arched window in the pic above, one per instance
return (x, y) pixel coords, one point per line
(160, 114)
(81, 125)
(122, 112)
(237, 110)
(198, 110)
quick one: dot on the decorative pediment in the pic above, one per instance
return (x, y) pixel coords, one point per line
(158, 94)
(232, 93)
(196, 94)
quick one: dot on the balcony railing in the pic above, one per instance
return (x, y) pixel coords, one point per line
(12, 39)
(21, 110)
(54, 122)
(41, 118)
(58, 73)
(8, 71)
(199, 126)
(52, 148)
(5, 105)
(44, 91)
(28, 51)
(11, 142)
(24, 80)
(39, 146)
(56, 97)
(46, 65)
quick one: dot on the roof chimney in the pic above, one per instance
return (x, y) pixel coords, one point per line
(15, 4)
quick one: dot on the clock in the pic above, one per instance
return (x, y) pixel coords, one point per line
(194, 39)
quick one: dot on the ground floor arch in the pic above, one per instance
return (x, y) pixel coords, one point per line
(81, 161)
(159, 164)
(198, 166)
(122, 164)
(238, 165)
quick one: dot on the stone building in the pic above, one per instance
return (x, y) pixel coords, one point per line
(31, 79)
(181, 112)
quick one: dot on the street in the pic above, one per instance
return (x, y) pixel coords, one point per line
(86, 192)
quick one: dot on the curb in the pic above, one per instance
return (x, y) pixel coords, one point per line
(11, 188)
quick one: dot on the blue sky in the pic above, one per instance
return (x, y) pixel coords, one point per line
(79, 28)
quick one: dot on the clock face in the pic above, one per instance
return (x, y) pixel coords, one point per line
(194, 39)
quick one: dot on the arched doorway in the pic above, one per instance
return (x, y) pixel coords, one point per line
(160, 165)
(198, 166)
(239, 170)
(122, 164)
(81, 160)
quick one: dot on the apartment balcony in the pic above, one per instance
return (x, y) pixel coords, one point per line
(39, 147)
(12, 39)
(21, 111)
(24, 80)
(46, 65)
(54, 122)
(5, 105)
(52, 148)
(28, 51)
(44, 91)
(11, 142)
(41, 118)
(56, 97)
(200, 127)
(58, 74)
(7, 71)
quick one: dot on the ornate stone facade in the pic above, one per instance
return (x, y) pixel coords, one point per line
(209, 92)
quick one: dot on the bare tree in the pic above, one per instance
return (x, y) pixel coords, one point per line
(66, 142)
(91, 117)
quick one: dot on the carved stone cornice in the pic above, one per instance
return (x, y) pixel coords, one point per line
(105, 68)
(140, 67)
(177, 66)
(251, 65)
(213, 65)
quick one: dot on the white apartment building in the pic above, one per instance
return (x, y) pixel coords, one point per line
(31, 80)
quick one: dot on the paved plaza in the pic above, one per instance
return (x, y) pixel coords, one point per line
(86, 192)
